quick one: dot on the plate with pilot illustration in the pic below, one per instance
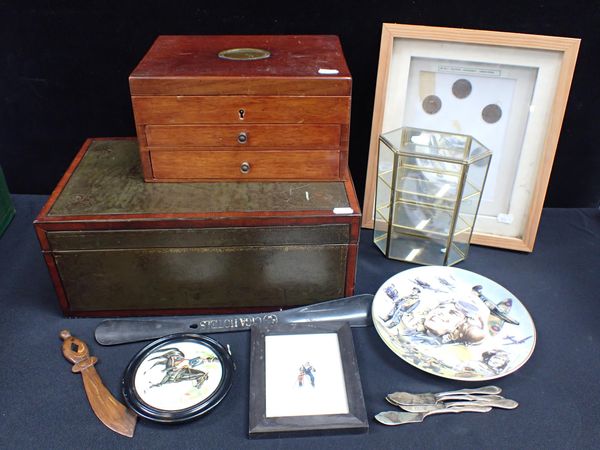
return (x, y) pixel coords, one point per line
(453, 323)
(178, 378)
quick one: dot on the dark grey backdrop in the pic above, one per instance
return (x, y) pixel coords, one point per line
(64, 68)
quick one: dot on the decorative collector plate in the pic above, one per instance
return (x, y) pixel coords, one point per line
(453, 323)
(178, 378)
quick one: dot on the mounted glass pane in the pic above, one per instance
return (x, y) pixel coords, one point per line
(383, 197)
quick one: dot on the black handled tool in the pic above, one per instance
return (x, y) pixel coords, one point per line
(354, 310)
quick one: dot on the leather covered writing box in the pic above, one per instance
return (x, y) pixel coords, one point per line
(272, 108)
(116, 245)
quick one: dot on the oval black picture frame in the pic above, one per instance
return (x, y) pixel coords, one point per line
(147, 411)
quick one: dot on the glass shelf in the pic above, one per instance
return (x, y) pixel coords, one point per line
(425, 219)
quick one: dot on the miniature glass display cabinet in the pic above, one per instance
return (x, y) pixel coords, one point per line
(429, 187)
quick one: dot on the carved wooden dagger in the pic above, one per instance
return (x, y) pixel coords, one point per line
(110, 412)
(354, 310)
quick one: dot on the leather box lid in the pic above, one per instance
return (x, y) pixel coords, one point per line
(104, 183)
(190, 65)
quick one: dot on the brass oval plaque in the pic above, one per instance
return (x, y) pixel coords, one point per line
(244, 54)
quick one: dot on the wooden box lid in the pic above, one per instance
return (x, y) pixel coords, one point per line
(190, 65)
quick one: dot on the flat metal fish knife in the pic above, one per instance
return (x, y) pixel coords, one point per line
(401, 418)
(502, 403)
(428, 398)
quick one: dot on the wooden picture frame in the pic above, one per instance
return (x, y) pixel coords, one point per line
(304, 379)
(533, 119)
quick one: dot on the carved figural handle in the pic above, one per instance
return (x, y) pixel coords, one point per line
(77, 352)
(110, 412)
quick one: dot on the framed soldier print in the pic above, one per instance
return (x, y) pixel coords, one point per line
(304, 379)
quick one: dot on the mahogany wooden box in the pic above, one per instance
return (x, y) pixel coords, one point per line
(116, 245)
(200, 116)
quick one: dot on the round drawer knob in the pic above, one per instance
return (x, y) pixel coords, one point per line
(242, 138)
(245, 167)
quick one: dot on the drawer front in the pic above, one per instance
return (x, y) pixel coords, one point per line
(195, 278)
(245, 165)
(239, 109)
(266, 136)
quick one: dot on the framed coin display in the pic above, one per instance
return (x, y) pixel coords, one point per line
(178, 378)
(508, 91)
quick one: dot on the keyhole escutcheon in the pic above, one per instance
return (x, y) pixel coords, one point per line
(241, 113)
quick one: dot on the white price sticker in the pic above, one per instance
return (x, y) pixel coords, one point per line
(504, 218)
(328, 71)
(345, 210)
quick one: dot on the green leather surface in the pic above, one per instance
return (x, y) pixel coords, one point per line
(108, 180)
(202, 277)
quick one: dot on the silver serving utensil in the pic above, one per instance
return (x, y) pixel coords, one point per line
(441, 400)
(393, 399)
(427, 398)
(401, 418)
(503, 403)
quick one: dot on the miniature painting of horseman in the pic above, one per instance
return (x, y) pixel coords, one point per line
(178, 368)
